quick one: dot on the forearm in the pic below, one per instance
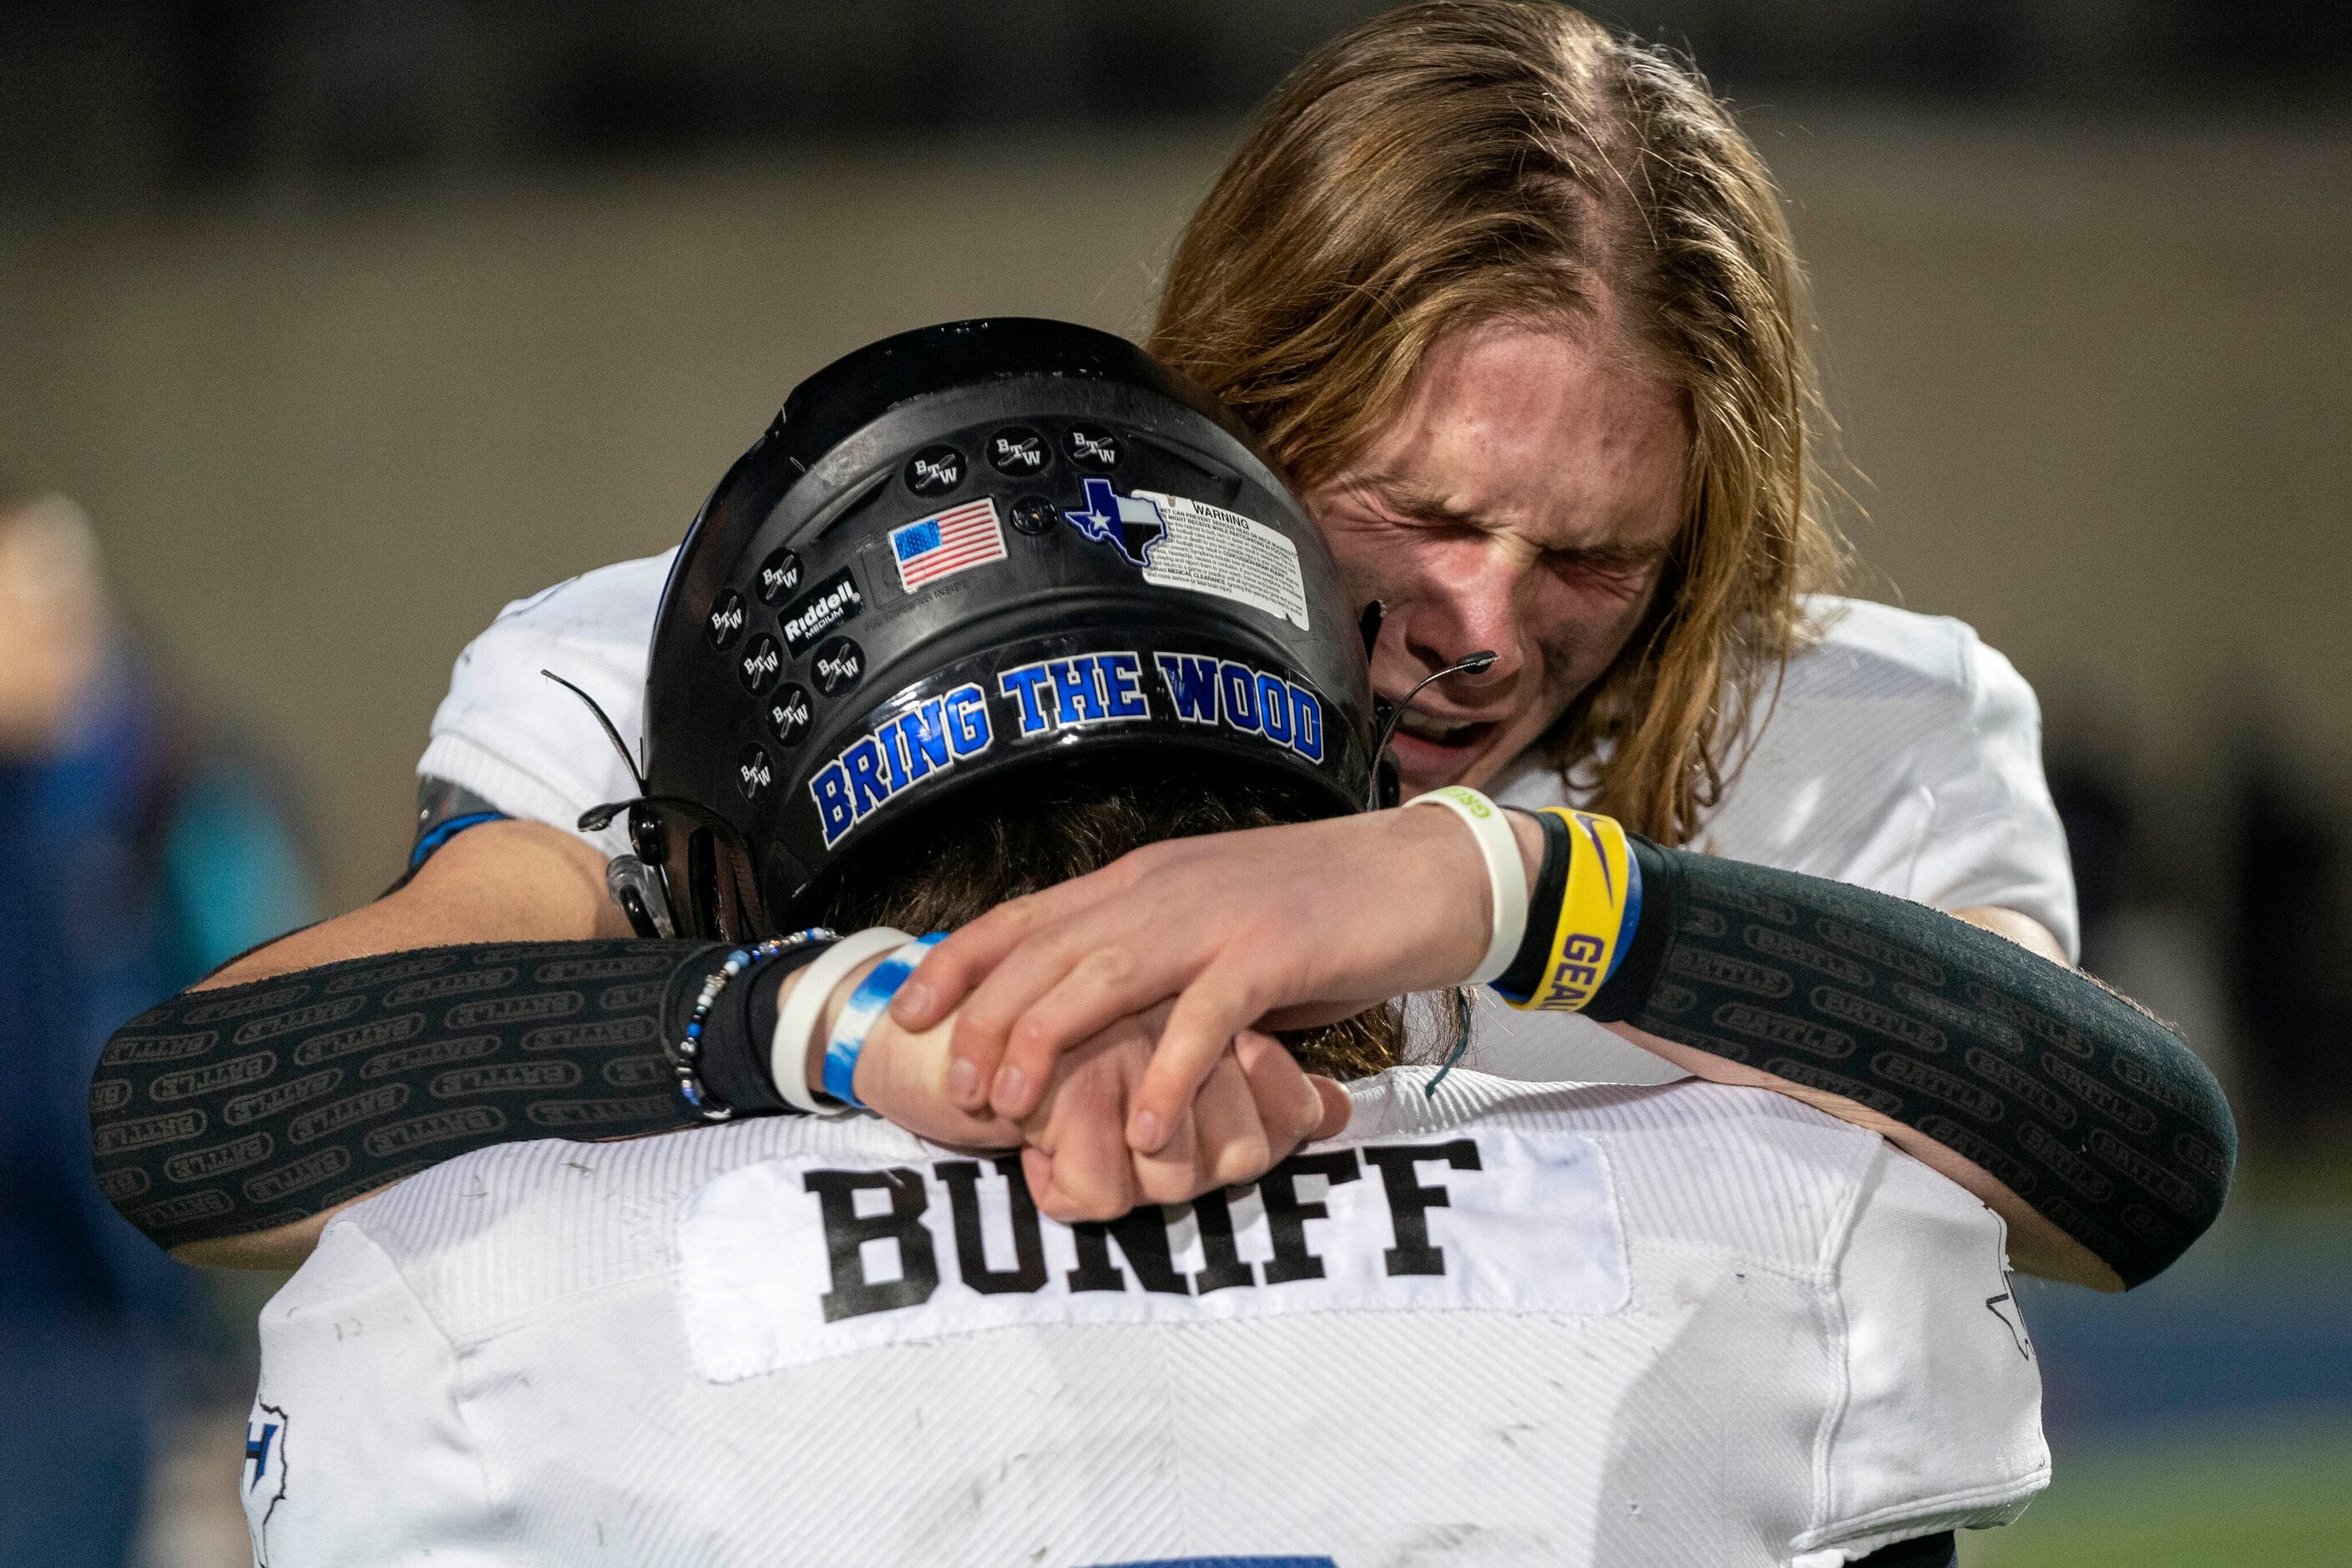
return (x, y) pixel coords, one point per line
(500, 882)
(2058, 1090)
(503, 881)
(260, 1105)
(232, 1124)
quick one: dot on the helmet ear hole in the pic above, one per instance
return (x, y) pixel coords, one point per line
(701, 888)
(745, 910)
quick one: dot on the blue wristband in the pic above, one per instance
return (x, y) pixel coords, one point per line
(858, 1015)
(1632, 921)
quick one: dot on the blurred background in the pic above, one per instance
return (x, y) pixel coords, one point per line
(326, 329)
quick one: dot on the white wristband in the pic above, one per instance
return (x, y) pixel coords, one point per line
(1507, 873)
(796, 1020)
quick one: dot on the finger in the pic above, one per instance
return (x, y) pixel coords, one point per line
(1038, 1173)
(1230, 1135)
(959, 965)
(1286, 1101)
(947, 973)
(985, 1019)
(1109, 983)
(1084, 1188)
(1175, 1174)
(1092, 1172)
(1200, 1026)
(950, 970)
(1339, 1108)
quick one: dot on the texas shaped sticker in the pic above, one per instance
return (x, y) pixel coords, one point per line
(1178, 542)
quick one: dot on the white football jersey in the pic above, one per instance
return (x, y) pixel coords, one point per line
(1900, 755)
(1511, 1325)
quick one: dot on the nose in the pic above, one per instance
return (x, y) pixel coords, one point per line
(1468, 604)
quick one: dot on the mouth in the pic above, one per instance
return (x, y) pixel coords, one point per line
(1427, 745)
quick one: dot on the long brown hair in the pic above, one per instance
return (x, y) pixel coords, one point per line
(1467, 161)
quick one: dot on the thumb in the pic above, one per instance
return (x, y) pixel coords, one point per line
(1338, 1108)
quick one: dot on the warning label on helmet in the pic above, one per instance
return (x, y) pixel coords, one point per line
(1212, 550)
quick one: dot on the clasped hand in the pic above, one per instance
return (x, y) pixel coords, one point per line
(1254, 1107)
(1114, 1026)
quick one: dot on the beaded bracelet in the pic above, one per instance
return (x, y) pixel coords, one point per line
(687, 1052)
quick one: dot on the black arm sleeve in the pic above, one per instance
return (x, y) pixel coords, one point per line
(2085, 1106)
(239, 1109)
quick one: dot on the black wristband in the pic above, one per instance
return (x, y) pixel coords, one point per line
(1623, 993)
(740, 1034)
(1526, 971)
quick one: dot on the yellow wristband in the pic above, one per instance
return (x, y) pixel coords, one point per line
(1592, 913)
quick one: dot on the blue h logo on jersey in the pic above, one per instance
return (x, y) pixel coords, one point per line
(257, 1451)
(1131, 522)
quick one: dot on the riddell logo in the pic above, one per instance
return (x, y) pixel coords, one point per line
(825, 606)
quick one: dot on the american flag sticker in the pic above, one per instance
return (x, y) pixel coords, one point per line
(943, 546)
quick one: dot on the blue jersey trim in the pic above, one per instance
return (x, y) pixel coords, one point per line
(432, 839)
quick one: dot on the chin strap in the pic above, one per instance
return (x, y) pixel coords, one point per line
(1471, 665)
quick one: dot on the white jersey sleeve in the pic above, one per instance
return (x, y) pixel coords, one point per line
(1994, 837)
(1900, 753)
(524, 744)
(1940, 1426)
(356, 1451)
(1897, 753)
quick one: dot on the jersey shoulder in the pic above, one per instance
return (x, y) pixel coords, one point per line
(1898, 751)
(614, 603)
(497, 1233)
(1864, 649)
(1743, 1173)
(528, 746)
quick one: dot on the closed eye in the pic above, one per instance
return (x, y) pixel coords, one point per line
(1623, 572)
